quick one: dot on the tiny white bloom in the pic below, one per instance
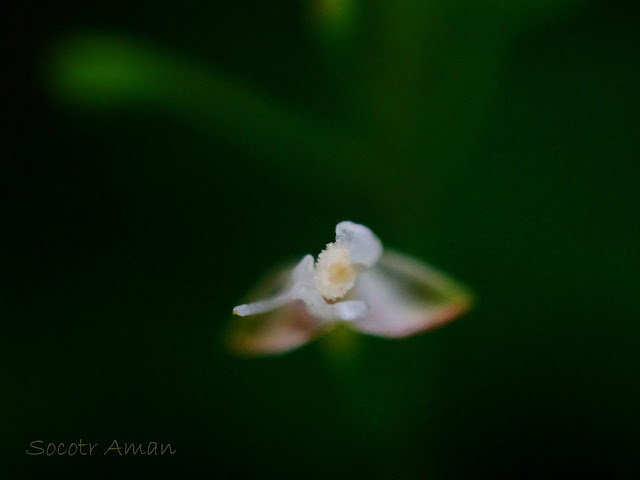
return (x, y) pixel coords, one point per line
(352, 281)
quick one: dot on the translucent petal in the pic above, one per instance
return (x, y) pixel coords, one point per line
(262, 306)
(364, 246)
(303, 272)
(350, 310)
(406, 296)
(277, 331)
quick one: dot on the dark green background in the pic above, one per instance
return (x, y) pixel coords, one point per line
(162, 157)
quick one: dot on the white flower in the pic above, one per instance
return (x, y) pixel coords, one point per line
(330, 279)
(352, 281)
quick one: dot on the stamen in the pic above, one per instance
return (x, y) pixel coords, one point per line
(335, 273)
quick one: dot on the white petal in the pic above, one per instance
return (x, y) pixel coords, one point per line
(284, 328)
(364, 246)
(406, 296)
(303, 272)
(350, 310)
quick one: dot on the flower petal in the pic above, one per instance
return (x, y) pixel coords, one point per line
(406, 296)
(277, 331)
(364, 246)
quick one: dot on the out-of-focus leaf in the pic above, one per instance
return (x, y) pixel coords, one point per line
(112, 70)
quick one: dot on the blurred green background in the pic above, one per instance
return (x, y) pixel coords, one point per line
(163, 156)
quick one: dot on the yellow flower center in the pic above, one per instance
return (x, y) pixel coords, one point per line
(335, 275)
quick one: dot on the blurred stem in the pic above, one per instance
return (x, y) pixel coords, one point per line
(399, 54)
(338, 28)
(368, 407)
